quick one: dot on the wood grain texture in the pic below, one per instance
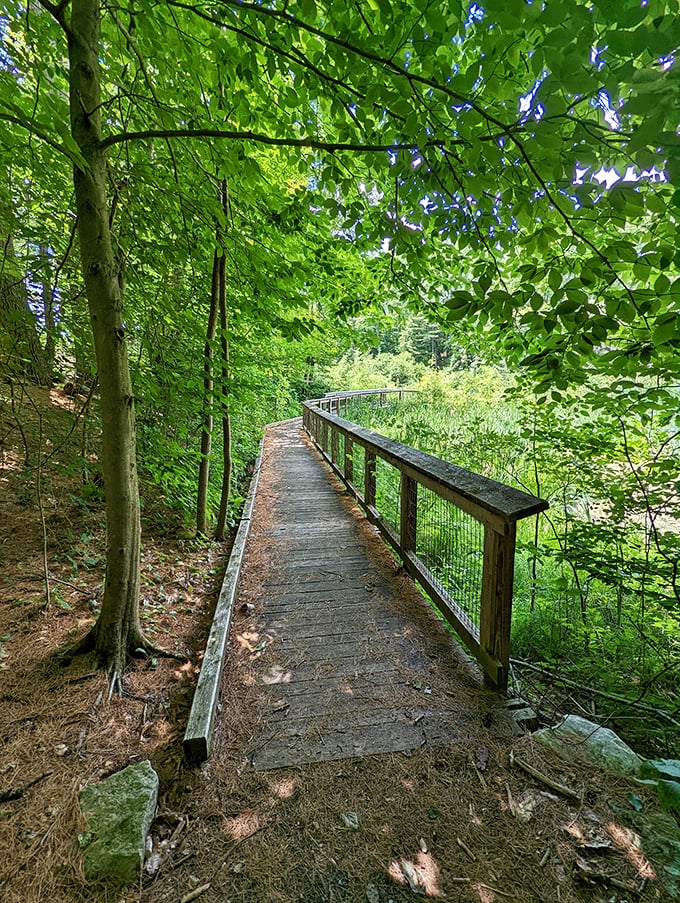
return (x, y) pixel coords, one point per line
(349, 657)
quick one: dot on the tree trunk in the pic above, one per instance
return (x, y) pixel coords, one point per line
(21, 354)
(117, 630)
(224, 396)
(206, 432)
(48, 297)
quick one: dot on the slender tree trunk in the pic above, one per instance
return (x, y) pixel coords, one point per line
(117, 630)
(224, 396)
(48, 293)
(206, 432)
(21, 354)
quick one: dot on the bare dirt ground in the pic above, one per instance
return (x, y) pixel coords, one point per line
(457, 823)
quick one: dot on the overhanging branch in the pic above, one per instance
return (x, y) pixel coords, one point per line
(226, 135)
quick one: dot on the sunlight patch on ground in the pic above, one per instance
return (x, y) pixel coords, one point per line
(248, 639)
(67, 402)
(631, 846)
(186, 671)
(485, 893)
(244, 825)
(9, 461)
(276, 675)
(285, 788)
(421, 874)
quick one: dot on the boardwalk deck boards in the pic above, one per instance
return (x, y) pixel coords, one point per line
(350, 659)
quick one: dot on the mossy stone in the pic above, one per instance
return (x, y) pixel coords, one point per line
(119, 812)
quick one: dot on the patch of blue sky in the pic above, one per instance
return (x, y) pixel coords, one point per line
(596, 57)
(475, 14)
(528, 106)
(603, 101)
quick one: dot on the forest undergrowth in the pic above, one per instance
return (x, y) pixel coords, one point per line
(595, 610)
(460, 822)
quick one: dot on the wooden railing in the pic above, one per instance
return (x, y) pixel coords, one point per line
(399, 488)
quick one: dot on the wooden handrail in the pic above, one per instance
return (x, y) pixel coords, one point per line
(496, 506)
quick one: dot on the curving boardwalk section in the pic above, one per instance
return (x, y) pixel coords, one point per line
(350, 659)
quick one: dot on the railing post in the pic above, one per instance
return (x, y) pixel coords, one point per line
(409, 511)
(369, 479)
(349, 461)
(496, 604)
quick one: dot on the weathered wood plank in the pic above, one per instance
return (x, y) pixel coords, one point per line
(197, 740)
(368, 736)
(346, 667)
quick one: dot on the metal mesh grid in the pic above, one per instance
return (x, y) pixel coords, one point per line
(450, 543)
(359, 469)
(339, 457)
(359, 409)
(388, 493)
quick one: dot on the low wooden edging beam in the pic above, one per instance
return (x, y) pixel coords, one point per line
(197, 741)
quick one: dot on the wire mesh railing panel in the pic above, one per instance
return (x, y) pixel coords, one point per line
(450, 543)
(359, 469)
(339, 451)
(358, 409)
(388, 493)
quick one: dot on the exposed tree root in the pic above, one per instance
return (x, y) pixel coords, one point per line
(137, 647)
(82, 647)
(8, 795)
(115, 683)
(146, 649)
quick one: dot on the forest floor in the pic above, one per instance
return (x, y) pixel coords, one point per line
(455, 823)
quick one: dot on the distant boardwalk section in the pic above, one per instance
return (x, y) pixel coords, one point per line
(352, 661)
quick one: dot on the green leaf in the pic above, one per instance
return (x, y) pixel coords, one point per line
(665, 329)
(669, 795)
(662, 284)
(661, 768)
(636, 802)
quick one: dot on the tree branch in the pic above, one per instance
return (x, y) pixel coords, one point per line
(33, 130)
(227, 135)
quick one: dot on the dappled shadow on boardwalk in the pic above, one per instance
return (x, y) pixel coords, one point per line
(350, 658)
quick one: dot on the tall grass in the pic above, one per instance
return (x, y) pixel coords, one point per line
(596, 577)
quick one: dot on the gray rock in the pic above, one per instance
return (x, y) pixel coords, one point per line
(579, 738)
(119, 812)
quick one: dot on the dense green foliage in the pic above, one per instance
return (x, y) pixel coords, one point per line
(510, 171)
(596, 586)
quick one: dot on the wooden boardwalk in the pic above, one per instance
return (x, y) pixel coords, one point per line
(349, 658)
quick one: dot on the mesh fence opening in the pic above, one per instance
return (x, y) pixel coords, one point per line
(359, 469)
(450, 543)
(388, 493)
(340, 456)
